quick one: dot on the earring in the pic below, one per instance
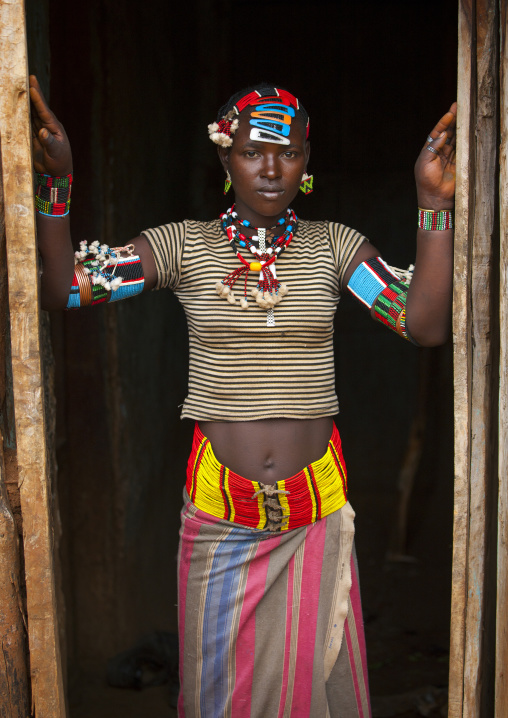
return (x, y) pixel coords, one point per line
(306, 183)
(227, 183)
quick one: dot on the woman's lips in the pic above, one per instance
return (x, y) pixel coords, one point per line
(270, 192)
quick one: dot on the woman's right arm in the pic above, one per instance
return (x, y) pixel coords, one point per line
(52, 156)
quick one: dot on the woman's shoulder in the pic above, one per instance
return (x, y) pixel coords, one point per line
(196, 226)
(312, 225)
(203, 235)
(326, 231)
(330, 230)
(188, 228)
(341, 241)
(330, 226)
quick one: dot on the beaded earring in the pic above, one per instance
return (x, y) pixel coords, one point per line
(227, 183)
(306, 183)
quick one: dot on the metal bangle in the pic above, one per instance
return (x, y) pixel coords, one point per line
(85, 285)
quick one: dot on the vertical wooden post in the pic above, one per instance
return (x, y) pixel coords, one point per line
(475, 361)
(483, 293)
(35, 495)
(502, 555)
(462, 367)
(14, 688)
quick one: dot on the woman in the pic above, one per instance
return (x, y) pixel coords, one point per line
(269, 608)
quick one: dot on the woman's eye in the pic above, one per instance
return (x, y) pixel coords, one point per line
(251, 153)
(289, 154)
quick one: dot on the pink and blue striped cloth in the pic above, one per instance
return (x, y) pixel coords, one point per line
(270, 624)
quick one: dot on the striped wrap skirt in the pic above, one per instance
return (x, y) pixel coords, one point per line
(270, 623)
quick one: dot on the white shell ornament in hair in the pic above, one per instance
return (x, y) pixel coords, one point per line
(221, 132)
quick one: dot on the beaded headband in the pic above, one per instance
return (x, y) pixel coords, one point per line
(270, 121)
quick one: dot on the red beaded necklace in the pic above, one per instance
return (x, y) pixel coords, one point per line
(268, 291)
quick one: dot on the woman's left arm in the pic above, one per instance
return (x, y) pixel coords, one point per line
(429, 297)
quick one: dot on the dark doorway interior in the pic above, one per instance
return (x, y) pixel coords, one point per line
(135, 85)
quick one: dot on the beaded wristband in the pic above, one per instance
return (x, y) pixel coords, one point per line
(430, 219)
(53, 195)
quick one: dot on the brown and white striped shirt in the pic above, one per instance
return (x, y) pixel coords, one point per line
(240, 369)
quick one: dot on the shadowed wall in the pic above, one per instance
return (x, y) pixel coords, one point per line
(135, 87)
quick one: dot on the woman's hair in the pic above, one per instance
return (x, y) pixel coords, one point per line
(264, 88)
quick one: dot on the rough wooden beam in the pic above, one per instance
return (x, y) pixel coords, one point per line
(483, 293)
(15, 136)
(14, 688)
(502, 553)
(462, 363)
(475, 362)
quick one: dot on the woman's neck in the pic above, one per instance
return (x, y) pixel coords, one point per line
(257, 221)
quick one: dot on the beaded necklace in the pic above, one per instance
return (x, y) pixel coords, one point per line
(232, 217)
(268, 291)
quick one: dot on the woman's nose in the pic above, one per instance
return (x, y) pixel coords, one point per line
(271, 167)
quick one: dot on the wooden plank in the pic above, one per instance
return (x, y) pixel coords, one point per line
(501, 710)
(45, 664)
(14, 689)
(475, 343)
(483, 428)
(462, 354)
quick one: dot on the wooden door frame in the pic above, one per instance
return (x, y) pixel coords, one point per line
(475, 353)
(502, 538)
(47, 693)
(479, 470)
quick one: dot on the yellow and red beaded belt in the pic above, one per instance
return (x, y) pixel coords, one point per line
(316, 491)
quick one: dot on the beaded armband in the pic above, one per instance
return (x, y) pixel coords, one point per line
(430, 219)
(53, 195)
(369, 279)
(376, 285)
(103, 275)
(390, 308)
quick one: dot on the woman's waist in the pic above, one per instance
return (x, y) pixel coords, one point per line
(309, 494)
(268, 450)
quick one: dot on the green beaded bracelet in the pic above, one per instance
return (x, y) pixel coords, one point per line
(431, 219)
(53, 195)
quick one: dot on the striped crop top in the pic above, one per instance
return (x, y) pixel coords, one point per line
(240, 369)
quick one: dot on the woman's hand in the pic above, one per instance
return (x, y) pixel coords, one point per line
(51, 148)
(435, 166)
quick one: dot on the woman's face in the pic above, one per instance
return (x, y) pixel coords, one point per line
(265, 176)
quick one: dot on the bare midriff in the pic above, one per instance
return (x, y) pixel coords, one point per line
(268, 450)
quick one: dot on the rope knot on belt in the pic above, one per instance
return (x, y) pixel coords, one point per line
(274, 513)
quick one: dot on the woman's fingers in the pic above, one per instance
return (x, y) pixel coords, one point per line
(445, 124)
(42, 111)
(42, 115)
(45, 138)
(435, 147)
(435, 156)
(435, 166)
(52, 152)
